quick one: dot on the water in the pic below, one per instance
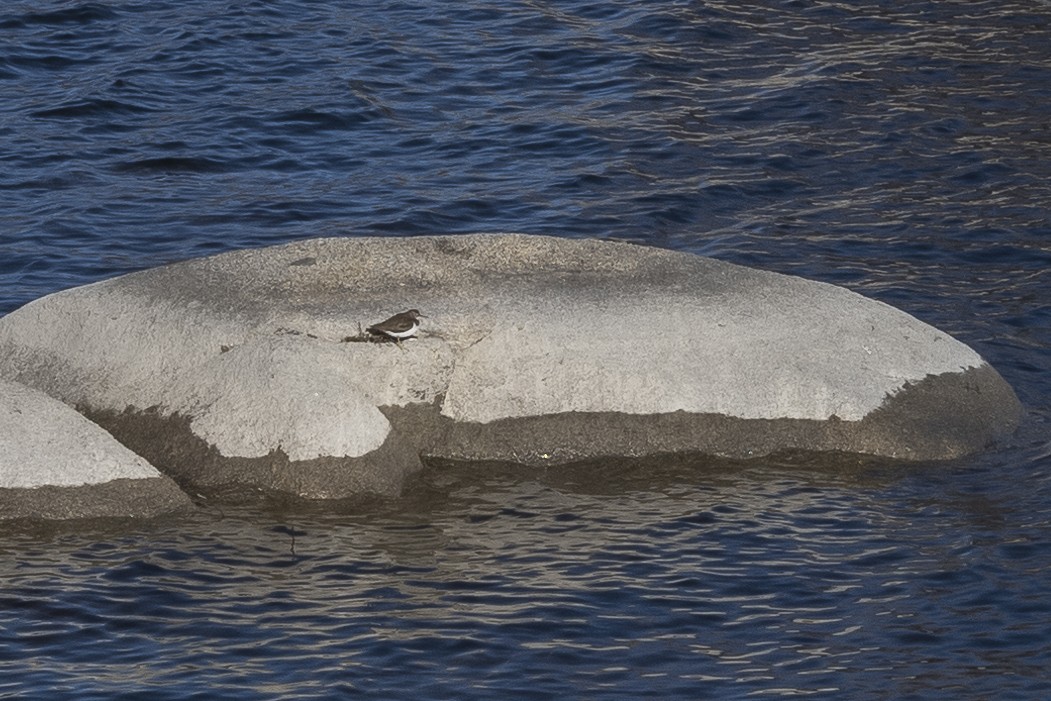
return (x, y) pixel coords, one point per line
(901, 149)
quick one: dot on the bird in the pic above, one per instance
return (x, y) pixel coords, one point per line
(399, 326)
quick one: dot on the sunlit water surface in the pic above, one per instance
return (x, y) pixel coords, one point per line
(901, 149)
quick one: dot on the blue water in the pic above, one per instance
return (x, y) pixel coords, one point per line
(902, 149)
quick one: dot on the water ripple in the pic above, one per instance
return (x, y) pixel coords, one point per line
(899, 149)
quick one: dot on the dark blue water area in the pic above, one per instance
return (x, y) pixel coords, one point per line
(901, 149)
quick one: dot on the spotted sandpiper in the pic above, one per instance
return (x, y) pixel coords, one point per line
(399, 326)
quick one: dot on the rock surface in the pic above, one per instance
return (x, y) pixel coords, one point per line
(56, 464)
(234, 369)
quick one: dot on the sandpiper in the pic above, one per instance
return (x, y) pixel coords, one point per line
(399, 326)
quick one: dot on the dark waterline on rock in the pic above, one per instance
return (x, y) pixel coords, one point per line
(898, 149)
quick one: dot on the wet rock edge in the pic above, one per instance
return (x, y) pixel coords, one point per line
(119, 498)
(939, 418)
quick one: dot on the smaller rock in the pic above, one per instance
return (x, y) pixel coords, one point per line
(55, 464)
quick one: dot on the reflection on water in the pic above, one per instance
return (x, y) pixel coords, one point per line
(871, 580)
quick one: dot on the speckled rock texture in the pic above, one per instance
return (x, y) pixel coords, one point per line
(248, 368)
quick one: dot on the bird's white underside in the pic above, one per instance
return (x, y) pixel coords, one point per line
(402, 334)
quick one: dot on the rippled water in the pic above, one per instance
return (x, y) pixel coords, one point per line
(902, 149)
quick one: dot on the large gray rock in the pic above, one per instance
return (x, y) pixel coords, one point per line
(233, 369)
(55, 464)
